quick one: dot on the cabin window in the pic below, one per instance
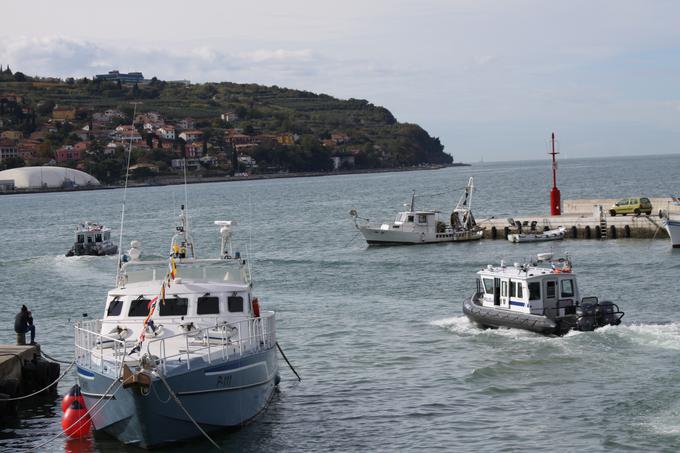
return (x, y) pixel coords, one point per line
(175, 306)
(98, 237)
(89, 239)
(235, 304)
(567, 289)
(534, 291)
(550, 290)
(139, 307)
(115, 307)
(208, 305)
(504, 289)
(81, 239)
(513, 287)
(519, 290)
(410, 218)
(422, 218)
(488, 285)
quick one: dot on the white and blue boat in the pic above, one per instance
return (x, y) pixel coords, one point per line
(183, 348)
(541, 295)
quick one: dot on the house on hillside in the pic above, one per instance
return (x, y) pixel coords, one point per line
(67, 152)
(185, 123)
(229, 117)
(191, 136)
(63, 113)
(116, 76)
(193, 149)
(287, 138)
(8, 148)
(191, 164)
(342, 160)
(12, 135)
(166, 132)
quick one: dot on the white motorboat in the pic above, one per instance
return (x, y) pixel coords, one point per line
(424, 226)
(183, 348)
(673, 228)
(540, 295)
(92, 239)
(538, 236)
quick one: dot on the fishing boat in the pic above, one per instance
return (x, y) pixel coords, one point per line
(538, 236)
(540, 295)
(183, 348)
(424, 226)
(92, 239)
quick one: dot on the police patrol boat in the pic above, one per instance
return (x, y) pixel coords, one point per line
(541, 295)
(183, 348)
(424, 226)
(92, 239)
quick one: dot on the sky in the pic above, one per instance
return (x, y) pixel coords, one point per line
(491, 79)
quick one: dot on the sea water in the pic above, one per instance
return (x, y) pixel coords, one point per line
(387, 359)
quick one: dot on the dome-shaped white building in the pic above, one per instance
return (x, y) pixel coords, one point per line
(47, 177)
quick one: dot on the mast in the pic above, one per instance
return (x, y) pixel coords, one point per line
(555, 202)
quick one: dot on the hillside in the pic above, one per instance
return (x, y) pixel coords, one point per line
(218, 127)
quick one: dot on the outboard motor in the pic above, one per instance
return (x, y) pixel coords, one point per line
(608, 314)
(586, 317)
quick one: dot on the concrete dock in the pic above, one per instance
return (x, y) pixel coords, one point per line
(588, 219)
(22, 372)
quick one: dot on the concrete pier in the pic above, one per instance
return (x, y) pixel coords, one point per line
(22, 372)
(582, 220)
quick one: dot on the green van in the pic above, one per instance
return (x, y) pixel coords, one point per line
(635, 206)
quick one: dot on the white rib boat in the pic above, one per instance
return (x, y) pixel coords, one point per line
(549, 235)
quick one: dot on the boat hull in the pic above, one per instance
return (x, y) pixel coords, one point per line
(551, 235)
(92, 251)
(378, 236)
(673, 228)
(220, 395)
(500, 317)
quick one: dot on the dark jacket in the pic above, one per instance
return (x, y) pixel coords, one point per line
(21, 322)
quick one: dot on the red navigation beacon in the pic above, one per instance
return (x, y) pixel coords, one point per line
(555, 203)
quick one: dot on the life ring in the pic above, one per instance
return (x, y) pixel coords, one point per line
(256, 307)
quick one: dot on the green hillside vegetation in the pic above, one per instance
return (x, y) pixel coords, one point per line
(370, 133)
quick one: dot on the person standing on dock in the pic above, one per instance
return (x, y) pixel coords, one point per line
(24, 323)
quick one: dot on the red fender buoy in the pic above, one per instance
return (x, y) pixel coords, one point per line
(72, 395)
(73, 423)
(256, 307)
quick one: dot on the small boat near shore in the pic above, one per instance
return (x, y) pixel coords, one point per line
(538, 236)
(541, 296)
(424, 226)
(92, 239)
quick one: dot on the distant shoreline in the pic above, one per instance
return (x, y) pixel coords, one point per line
(176, 180)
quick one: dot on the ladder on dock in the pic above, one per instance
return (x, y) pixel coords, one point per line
(603, 227)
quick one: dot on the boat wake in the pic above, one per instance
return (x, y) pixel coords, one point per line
(462, 326)
(661, 336)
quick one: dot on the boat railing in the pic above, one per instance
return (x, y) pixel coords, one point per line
(220, 342)
(96, 351)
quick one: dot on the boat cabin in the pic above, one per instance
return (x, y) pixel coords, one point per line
(93, 236)
(530, 288)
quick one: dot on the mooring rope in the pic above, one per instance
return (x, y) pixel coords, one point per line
(42, 389)
(181, 406)
(48, 357)
(286, 359)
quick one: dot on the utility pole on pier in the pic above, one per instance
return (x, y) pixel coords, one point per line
(555, 202)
